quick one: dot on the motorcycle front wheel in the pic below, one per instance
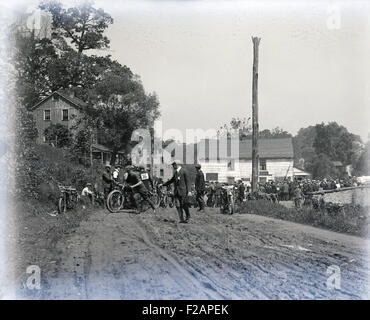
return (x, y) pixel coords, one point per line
(115, 201)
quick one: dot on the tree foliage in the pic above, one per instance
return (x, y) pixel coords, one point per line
(362, 165)
(275, 133)
(58, 135)
(83, 25)
(322, 144)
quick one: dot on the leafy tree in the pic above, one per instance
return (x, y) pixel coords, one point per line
(336, 142)
(322, 167)
(240, 125)
(81, 146)
(32, 58)
(326, 142)
(45, 65)
(274, 133)
(303, 147)
(26, 157)
(362, 165)
(83, 25)
(58, 135)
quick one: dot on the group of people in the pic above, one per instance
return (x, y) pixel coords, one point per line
(275, 191)
(141, 183)
(214, 192)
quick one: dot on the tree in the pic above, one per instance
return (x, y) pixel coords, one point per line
(31, 60)
(326, 142)
(240, 125)
(83, 24)
(303, 147)
(274, 133)
(336, 142)
(362, 165)
(322, 167)
(58, 135)
(81, 145)
(118, 106)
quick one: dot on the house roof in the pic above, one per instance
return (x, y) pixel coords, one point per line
(267, 148)
(76, 102)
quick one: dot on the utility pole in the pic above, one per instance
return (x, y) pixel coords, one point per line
(255, 156)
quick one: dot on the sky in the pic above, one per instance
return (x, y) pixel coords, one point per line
(197, 57)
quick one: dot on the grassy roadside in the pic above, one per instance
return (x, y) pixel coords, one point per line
(352, 220)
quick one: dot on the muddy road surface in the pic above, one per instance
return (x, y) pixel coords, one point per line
(146, 256)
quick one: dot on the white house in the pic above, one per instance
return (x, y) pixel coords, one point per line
(275, 160)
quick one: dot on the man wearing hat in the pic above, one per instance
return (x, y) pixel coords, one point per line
(107, 180)
(181, 190)
(199, 187)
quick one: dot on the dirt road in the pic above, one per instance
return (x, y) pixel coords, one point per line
(127, 256)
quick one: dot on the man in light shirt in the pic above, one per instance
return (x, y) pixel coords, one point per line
(87, 193)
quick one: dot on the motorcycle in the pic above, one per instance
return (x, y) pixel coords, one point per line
(68, 199)
(123, 198)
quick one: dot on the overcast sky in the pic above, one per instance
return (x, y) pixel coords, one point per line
(197, 56)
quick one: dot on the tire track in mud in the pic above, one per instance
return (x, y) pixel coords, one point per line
(214, 257)
(288, 270)
(308, 267)
(205, 287)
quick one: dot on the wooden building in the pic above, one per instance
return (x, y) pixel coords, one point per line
(59, 107)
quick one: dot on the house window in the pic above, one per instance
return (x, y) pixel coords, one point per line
(263, 166)
(65, 115)
(47, 115)
(161, 172)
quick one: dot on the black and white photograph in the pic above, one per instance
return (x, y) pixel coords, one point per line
(184, 150)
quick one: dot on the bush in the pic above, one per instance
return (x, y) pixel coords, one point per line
(38, 176)
(351, 219)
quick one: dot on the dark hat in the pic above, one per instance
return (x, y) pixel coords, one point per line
(177, 162)
(198, 166)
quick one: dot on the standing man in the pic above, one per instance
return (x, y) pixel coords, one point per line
(181, 190)
(108, 181)
(241, 191)
(199, 187)
(116, 171)
(285, 191)
(297, 196)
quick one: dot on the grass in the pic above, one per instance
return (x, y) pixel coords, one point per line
(350, 219)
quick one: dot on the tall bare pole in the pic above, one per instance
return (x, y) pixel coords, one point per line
(255, 155)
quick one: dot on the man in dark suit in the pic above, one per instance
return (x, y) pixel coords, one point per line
(199, 187)
(181, 190)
